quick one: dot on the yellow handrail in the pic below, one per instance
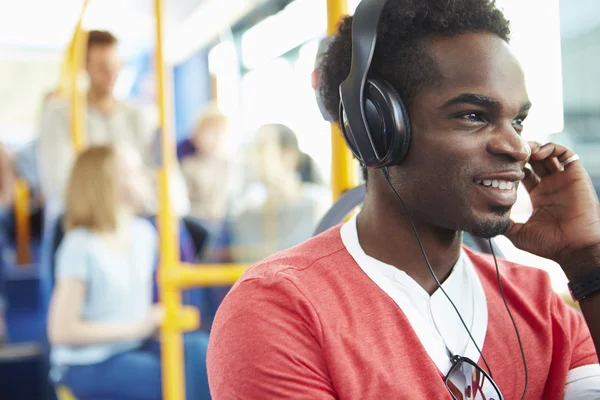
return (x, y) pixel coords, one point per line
(22, 221)
(75, 64)
(204, 275)
(170, 295)
(343, 166)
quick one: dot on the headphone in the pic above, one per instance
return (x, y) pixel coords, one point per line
(374, 119)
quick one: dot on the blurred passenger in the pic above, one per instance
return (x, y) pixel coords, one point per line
(309, 170)
(109, 121)
(102, 322)
(7, 177)
(7, 181)
(208, 136)
(206, 166)
(26, 160)
(7, 185)
(27, 168)
(291, 208)
(3, 330)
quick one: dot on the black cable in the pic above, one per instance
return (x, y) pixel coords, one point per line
(387, 177)
(513, 321)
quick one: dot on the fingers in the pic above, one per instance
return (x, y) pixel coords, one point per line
(551, 150)
(549, 158)
(535, 165)
(531, 180)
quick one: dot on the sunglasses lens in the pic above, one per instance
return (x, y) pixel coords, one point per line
(469, 382)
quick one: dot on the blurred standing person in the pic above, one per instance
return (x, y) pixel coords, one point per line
(109, 121)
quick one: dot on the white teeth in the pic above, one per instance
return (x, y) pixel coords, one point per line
(498, 184)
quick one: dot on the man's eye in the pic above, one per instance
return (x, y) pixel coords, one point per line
(519, 121)
(472, 117)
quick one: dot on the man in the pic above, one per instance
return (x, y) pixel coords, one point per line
(108, 121)
(356, 314)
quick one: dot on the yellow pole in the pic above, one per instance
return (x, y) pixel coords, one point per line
(65, 74)
(77, 62)
(22, 218)
(172, 349)
(77, 100)
(343, 166)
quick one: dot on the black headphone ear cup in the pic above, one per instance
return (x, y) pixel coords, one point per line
(387, 122)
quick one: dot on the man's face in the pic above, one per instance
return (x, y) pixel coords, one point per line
(103, 66)
(467, 155)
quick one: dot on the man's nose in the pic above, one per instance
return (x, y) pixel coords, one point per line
(507, 142)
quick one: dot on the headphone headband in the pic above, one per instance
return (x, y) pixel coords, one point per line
(373, 118)
(364, 38)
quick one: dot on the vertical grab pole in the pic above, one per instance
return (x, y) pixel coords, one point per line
(22, 221)
(77, 62)
(170, 295)
(343, 166)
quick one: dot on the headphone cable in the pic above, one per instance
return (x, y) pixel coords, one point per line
(513, 321)
(439, 284)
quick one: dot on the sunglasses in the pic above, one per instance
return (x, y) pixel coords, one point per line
(467, 381)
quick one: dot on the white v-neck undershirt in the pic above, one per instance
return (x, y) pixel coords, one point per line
(424, 312)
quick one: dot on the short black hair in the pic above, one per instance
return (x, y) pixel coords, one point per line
(401, 56)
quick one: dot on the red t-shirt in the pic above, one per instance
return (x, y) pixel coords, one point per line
(308, 323)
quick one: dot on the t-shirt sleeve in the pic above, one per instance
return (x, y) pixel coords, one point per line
(72, 257)
(583, 351)
(266, 344)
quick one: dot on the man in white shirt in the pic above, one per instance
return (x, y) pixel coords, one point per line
(108, 121)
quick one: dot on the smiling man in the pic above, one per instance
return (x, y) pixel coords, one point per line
(359, 312)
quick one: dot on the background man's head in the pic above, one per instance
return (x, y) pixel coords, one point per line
(437, 54)
(103, 61)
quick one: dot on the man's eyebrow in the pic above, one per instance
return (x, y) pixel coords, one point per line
(526, 107)
(479, 100)
(471, 98)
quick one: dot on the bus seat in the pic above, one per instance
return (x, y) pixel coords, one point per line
(343, 207)
(353, 198)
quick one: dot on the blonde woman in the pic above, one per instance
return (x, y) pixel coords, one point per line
(102, 320)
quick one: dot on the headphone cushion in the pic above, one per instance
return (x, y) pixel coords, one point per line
(388, 122)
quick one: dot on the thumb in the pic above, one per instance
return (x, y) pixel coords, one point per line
(514, 233)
